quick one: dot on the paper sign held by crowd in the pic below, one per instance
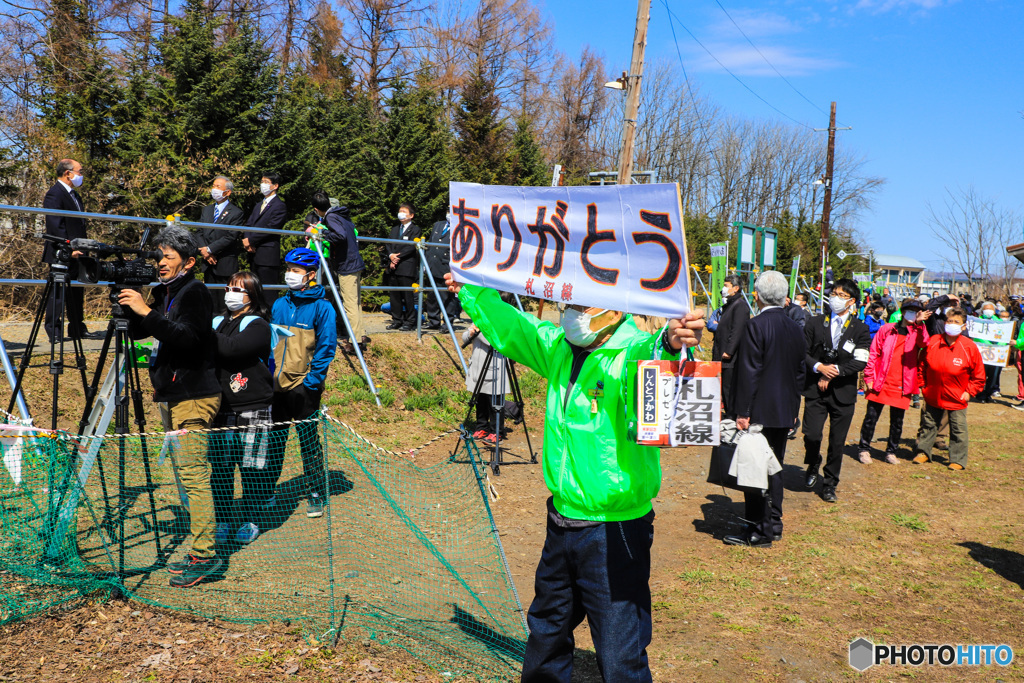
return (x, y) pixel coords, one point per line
(679, 403)
(990, 329)
(618, 247)
(995, 354)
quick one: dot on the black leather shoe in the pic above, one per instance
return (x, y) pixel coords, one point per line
(811, 480)
(750, 540)
(828, 494)
(776, 537)
(406, 328)
(393, 326)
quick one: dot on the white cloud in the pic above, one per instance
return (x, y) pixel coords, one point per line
(879, 6)
(743, 60)
(755, 24)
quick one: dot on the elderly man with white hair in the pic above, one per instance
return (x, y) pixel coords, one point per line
(766, 391)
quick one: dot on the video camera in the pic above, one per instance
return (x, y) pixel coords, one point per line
(119, 271)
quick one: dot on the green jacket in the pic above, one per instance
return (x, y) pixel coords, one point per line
(593, 466)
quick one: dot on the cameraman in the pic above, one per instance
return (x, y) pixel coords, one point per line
(184, 383)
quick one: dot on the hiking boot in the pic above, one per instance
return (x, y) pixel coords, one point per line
(955, 466)
(315, 506)
(195, 570)
(920, 459)
(248, 533)
(490, 438)
(222, 533)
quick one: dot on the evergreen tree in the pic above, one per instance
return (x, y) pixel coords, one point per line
(78, 87)
(526, 161)
(483, 144)
(200, 112)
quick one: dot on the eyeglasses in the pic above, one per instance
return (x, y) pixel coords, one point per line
(237, 290)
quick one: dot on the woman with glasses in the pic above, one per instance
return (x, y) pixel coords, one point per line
(244, 351)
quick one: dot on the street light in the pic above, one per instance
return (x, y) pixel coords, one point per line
(619, 83)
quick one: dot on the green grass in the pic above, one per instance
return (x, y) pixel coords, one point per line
(698, 576)
(912, 522)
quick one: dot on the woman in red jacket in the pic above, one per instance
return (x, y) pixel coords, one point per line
(951, 371)
(891, 377)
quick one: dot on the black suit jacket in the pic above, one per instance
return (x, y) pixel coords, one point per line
(769, 375)
(225, 245)
(407, 264)
(268, 247)
(731, 327)
(851, 357)
(57, 197)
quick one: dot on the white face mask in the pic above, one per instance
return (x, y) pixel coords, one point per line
(403, 216)
(952, 329)
(217, 194)
(294, 280)
(235, 301)
(910, 317)
(265, 189)
(838, 304)
(725, 293)
(77, 180)
(577, 327)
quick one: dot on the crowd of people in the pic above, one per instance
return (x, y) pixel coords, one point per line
(244, 246)
(912, 353)
(260, 366)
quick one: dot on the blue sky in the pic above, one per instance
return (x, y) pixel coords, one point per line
(932, 88)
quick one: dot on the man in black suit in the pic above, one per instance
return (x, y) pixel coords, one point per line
(439, 263)
(837, 350)
(766, 391)
(732, 326)
(63, 196)
(265, 249)
(219, 249)
(402, 266)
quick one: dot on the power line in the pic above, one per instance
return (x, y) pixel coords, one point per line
(786, 80)
(672, 15)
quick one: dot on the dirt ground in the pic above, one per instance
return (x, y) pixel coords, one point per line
(909, 554)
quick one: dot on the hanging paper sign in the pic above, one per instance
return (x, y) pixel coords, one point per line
(719, 266)
(990, 329)
(995, 354)
(679, 403)
(614, 246)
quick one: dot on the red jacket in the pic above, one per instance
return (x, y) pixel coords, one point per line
(946, 371)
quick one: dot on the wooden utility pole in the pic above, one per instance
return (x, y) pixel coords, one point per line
(633, 78)
(826, 209)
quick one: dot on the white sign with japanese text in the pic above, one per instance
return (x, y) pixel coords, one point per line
(679, 403)
(990, 329)
(619, 247)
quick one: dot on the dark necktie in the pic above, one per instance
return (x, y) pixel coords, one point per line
(78, 200)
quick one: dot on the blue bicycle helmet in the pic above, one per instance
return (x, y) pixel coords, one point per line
(307, 258)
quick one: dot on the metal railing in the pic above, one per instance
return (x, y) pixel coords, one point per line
(420, 245)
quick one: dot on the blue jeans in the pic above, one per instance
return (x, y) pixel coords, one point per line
(601, 572)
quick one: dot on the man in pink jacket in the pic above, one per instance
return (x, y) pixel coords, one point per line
(891, 376)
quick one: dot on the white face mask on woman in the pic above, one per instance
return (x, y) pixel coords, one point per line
(577, 327)
(235, 301)
(910, 317)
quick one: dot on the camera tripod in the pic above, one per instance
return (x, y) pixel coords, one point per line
(496, 361)
(125, 385)
(58, 285)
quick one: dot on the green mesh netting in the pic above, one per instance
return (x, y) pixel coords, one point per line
(403, 554)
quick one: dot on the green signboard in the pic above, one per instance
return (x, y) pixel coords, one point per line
(719, 268)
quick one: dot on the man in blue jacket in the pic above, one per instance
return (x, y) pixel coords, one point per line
(300, 370)
(347, 262)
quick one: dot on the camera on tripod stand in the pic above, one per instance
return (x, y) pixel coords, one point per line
(121, 272)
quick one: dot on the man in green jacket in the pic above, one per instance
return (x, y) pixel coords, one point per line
(596, 561)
